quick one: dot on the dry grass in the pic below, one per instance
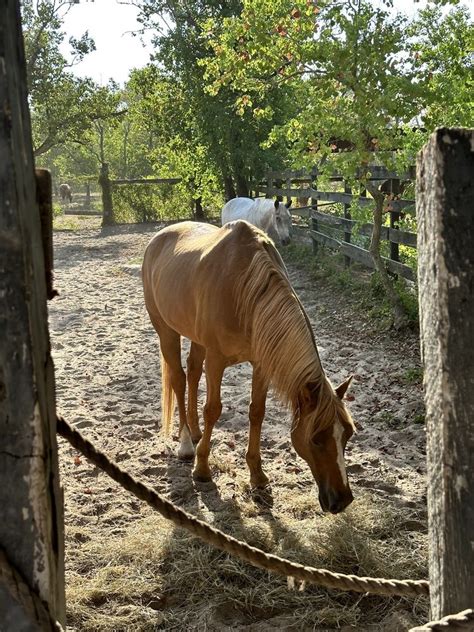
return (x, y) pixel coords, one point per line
(157, 577)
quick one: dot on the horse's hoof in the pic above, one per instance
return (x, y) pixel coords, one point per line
(185, 456)
(186, 447)
(260, 483)
(202, 477)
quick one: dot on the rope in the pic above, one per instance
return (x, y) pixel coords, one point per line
(462, 621)
(29, 602)
(218, 539)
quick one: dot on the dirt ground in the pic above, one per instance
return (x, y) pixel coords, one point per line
(106, 356)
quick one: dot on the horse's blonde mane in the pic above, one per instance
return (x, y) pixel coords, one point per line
(282, 341)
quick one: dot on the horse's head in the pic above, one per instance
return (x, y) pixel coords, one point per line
(321, 429)
(283, 222)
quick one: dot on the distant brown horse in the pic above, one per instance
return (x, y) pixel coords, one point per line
(227, 290)
(65, 192)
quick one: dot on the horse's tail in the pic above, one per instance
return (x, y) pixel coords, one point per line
(167, 397)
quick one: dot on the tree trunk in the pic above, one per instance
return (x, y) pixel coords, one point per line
(400, 318)
(199, 214)
(229, 189)
(108, 218)
(242, 185)
(87, 201)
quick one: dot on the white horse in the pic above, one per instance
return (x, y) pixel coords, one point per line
(271, 216)
(65, 192)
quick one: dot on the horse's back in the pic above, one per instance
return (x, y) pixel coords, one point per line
(237, 208)
(189, 274)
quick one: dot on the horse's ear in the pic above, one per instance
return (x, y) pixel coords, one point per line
(277, 204)
(342, 388)
(288, 204)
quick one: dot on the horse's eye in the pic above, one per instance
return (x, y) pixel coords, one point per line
(279, 220)
(316, 442)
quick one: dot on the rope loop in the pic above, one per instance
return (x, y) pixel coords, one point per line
(242, 550)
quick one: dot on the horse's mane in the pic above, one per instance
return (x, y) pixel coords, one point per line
(282, 340)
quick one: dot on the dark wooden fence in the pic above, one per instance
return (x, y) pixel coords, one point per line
(339, 231)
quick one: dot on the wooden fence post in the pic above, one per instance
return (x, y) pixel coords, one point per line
(445, 204)
(288, 189)
(108, 218)
(394, 219)
(347, 215)
(314, 205)
(31, 525)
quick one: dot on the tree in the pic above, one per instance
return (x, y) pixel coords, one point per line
(232, 140)
(62, 106)
(351, 67)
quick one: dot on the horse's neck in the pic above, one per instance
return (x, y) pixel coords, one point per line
(260, 215)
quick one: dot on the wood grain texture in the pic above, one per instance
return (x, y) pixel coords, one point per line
(445, 210)
(31, 524)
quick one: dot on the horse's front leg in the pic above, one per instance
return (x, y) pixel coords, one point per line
(215, 365)
(256, 414)
(194, 366)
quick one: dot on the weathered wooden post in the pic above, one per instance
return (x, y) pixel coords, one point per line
(445, 210)
(31, 525)
(288, 188)
(314, 207)
(108, 218)
(347, 230)
(394, 219)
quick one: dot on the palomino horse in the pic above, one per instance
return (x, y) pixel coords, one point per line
(273, 217)
(227, 290)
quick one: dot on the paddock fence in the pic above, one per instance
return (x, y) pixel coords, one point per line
(327, 220)
(292, 571)
(107, 185)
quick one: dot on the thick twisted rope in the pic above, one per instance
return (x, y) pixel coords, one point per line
(218, 539)
(462, 621)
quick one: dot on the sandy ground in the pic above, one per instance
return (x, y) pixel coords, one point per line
(108, 385)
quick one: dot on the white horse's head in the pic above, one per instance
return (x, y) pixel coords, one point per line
(282, 223)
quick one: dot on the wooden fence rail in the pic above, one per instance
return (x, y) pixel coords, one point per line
(339, 231)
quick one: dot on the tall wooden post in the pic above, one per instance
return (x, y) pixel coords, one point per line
(347, 215)
(31, 536)
(394, 219)
(445, 210)
(314, 207)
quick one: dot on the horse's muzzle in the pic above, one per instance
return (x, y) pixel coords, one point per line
(335, 502)
(285, 242)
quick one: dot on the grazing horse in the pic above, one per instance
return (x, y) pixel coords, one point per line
(65, 192)
(227, 290)
(273, 217)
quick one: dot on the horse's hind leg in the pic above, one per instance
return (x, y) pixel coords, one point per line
(256, 414)
(170, 343)
(215, 365)
(194, 366)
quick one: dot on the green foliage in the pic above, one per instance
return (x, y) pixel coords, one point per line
(413, 375)
(366, 289)
(148, 203)
(62, 105)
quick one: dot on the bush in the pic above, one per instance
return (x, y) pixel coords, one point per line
(149, 203)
